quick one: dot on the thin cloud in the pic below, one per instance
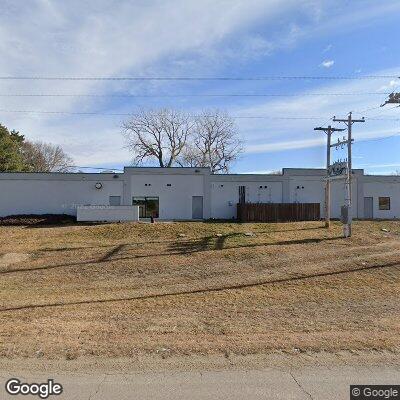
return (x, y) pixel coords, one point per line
(327, 63)
(286, 145)
(327, 48)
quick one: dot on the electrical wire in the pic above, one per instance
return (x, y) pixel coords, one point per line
(235, 116)
(193, 78)
(193, 95)
(378, 139)
(130, 114)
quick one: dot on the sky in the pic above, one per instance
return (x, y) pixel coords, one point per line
(355, 39)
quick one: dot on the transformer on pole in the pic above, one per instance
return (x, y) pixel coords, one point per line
(329, 130)
(346, 209)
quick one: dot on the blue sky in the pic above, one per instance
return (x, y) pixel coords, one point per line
(249, 38)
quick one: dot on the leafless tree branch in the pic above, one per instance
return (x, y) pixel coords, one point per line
(157, 134)
(214, 143)
(45, 157)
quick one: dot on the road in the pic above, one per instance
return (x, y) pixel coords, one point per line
(314, 382)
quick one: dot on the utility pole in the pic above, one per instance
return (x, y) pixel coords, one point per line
(346, 210)
(329, 130)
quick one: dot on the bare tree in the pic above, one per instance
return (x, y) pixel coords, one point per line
(215, 143)
(45, 157)
(157, 135)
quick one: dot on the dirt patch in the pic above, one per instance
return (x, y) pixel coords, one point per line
(33, 219)
(12, 258)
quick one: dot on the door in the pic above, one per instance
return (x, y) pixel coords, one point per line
(148, 206)
(368, 207)
(197, 207)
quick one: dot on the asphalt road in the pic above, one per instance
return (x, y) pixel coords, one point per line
(269, 383)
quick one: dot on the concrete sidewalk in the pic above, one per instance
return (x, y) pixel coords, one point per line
(302, 383)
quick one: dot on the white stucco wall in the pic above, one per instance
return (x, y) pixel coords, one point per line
(107, 213)
(338, 197)
(225, 195)
(306, 189)
(37, 194)
(22, 193)
(384, 189)
(175, 201)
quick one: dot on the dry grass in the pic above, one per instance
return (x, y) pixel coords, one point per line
(184, 288)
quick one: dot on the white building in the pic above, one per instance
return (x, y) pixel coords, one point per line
(192, 193)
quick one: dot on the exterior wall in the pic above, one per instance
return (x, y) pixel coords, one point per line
(225, 195)
(338, 197)
(108, 213)
(54, 193)
(30, 193)
(378, 187)
(306, 189)
(308, 186)
(175, 201)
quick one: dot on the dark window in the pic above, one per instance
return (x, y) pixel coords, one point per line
(242, 194)
(148, 206)
(168, 184)
(115, 200)
(384, 203)
(260, 187)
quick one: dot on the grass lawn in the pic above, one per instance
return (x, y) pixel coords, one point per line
(117, 290)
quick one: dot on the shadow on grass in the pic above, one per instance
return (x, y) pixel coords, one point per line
(204, 290)
(218, 243)
(177, 248)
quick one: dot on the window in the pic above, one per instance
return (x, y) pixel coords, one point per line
(148, 206)
(242, 194)
(384, 203)
(115, 200)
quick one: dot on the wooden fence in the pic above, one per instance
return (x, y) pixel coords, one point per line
(278, 212)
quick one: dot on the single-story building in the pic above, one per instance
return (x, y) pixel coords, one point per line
(192, 193)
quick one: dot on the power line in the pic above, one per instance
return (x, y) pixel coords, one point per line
(234, 116)
(193, 95)
(129, 114)
(375, 108)
(378, 139)
(383, 119)
(193, 78)
(63, 112)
